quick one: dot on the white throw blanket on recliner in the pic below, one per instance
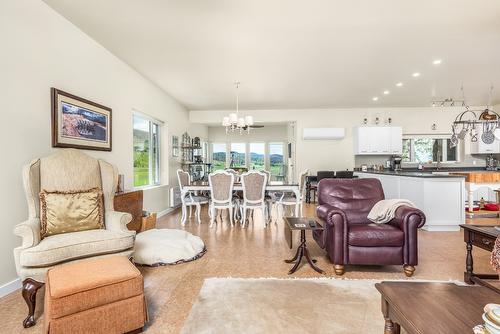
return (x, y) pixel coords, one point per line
(383, 211)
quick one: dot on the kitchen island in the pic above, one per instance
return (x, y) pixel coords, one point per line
(475, 180)
(441, 196)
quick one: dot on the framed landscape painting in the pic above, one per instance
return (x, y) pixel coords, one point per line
(79, 123)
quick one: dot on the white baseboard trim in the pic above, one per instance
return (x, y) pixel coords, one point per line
(167, 211)
(10, 287)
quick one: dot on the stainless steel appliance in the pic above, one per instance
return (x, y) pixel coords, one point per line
(491, 163)
(396, 162)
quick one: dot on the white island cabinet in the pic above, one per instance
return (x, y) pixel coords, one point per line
(440, 197)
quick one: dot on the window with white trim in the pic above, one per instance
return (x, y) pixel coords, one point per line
(422, 149)
(277, 165)
(146, 151)
(238, 155)
(257, 152)
(218, 156)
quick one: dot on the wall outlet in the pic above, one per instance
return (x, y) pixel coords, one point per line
(474, 162)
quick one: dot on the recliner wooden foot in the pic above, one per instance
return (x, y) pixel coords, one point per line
(339, 269)
(409, 270)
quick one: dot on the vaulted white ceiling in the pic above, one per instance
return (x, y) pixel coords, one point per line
(301, 54)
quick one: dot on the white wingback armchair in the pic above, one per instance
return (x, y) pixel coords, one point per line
(67, 170)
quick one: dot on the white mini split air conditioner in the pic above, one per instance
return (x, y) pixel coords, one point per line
(323, 133)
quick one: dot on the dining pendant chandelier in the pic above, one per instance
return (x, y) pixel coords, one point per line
(233, 122)
(485, 127)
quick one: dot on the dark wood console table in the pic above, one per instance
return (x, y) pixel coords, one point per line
(421, 307)
(483, 237)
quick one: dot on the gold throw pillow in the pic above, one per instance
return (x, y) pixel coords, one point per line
(71, 211)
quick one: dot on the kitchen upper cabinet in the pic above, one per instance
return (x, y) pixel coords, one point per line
(479, 147)
(378, 140)
(396, 140)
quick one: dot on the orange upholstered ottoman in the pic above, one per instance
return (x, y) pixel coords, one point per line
(104, 295)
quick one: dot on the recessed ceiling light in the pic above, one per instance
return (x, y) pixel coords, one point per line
(386, 92)
(399, 84)
(416, 74)
(375, 98)
(437, 61)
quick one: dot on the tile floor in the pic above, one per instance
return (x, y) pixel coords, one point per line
(254, 252)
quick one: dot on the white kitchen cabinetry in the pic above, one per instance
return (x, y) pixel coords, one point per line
(378, 140)
(441, 199)
(479, 147)
(396, 140)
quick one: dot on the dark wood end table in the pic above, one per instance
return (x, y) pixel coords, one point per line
(483, 237)
(302, 224)
(422, 307)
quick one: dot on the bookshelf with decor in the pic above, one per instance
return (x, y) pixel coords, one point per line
(192, 159)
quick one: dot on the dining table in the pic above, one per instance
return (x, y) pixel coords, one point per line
(272, 186)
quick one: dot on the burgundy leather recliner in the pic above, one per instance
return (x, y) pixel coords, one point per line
(350, 238)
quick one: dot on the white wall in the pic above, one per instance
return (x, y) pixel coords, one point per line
(269, 133)
(41, 49)
(339, 154)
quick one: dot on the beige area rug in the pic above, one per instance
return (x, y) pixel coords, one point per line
(234, 305)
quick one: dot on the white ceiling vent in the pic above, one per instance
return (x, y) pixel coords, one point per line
(323, 133)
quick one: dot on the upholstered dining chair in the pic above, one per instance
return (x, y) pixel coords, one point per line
(270, 196)
(289, 199)
(190, 199)
(344, 174)
(325, 174)
(67, 170)
(221, 190)
(254, 187)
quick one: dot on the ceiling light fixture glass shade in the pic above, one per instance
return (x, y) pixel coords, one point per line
(234, 122)
(233, 117)
(249, 120)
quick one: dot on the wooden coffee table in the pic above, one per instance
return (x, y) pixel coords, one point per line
(421, 307)
(483, 237)
(302, 224)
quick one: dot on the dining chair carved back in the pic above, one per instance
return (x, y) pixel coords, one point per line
(190, 199)
(290, 200)
(270, 197)
(254, 188)
(221, 190)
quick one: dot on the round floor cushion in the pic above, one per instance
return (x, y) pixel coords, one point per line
(158, 247)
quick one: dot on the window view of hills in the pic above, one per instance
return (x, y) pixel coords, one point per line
(257, 161)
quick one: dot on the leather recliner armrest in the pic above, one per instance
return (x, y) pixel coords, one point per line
(408, 218)
(334, 237)
(327, 212)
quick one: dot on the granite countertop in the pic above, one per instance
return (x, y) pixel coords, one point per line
(428, 174)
